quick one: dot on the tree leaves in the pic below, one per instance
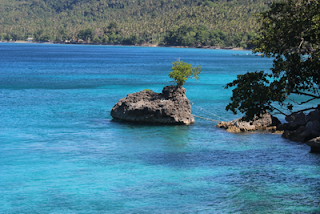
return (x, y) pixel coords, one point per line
(145, 18)
(251, 94)
(290, 33)
(181, 71)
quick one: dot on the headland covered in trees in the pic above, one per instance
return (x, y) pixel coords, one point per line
(195, 23)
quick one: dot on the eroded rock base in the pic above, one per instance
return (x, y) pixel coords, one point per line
(265, 122)
(299, 127)
(303, 128)
(169, 107)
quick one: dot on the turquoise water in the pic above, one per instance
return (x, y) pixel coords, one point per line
(60, 151)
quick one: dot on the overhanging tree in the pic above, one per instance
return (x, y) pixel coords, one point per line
(290, 32)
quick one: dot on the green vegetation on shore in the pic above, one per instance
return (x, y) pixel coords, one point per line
(220, 23)
(290, 33)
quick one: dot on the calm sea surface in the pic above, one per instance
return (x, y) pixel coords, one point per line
(60, 151)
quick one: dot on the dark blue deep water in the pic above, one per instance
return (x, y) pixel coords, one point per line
(60, 151)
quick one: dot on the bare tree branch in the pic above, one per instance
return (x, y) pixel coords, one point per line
(302, 40)
(301, 102)
(278, 110)
(308, 100)
(306, 94)
(307, 109)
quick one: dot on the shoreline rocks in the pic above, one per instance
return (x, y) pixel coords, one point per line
(264, 122)
(299, 127)
(169, 107)
(314, 144)
(304, 128)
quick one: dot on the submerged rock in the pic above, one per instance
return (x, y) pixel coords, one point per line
(169, 107)
(314, 144)
(264, 122)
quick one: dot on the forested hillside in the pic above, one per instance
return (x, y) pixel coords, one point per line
(168, 22)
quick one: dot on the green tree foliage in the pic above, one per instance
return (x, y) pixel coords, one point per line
(86, 34)
(123, 18)
(290, 32)
(182, 71)
(96, 39)
(189, 35)
(105, 39)
(61, 35)
(113, 26)
(131, 40)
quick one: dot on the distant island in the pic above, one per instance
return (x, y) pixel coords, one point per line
(181, 23)
(73, 42)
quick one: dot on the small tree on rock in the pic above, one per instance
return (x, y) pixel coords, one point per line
(182, 71)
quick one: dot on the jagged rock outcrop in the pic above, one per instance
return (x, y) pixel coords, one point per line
(301, 127)
(264, 122)
(294, 121)
(304, 128)
(169, 107)
(314, 144)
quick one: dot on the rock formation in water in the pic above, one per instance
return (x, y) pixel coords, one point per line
(265, 122)
(299, 127)
(303, 128)
(314, 144)
(169, 107)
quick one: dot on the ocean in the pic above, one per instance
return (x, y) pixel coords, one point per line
(61, 152)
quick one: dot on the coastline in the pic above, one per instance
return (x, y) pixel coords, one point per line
(137, 45)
